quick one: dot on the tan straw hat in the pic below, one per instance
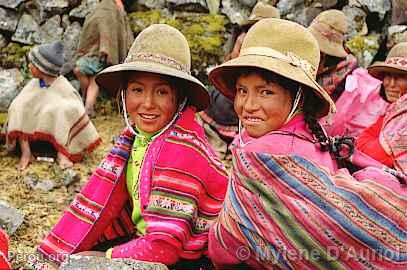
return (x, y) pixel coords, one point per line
(396, 62)
(280, 46)
(329, 28)
(160, 49)
(262, 11)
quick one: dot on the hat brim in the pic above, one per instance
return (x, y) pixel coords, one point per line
(328, 47)
(112, 77)
(223, 77)
(378, 68)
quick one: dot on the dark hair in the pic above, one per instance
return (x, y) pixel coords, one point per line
(340, 147)
(382, 93)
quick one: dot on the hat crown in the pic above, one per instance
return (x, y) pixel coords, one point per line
(53, 52)
(333, 18)
(163, 44)
(399, 50)
(263, 10)
(289, 38)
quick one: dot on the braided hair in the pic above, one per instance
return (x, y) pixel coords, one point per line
(341, 147)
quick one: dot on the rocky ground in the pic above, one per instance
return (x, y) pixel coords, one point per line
(42, 209)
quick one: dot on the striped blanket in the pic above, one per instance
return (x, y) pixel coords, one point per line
(284, 211)
(393, 136)
(182, 188)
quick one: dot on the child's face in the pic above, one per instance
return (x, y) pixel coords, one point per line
(35, 72)
(261, 106)
(151, 101)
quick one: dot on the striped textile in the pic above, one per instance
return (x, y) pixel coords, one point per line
(54, 114)
(286, 212)
(393, 136)
(186, 181)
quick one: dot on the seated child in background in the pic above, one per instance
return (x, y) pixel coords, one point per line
(49, 109)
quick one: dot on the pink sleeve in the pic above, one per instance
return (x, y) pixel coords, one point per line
(146, 248)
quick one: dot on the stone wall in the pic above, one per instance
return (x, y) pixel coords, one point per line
(374, 25)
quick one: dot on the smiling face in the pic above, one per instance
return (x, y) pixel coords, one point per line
(262, 106)
(395, 85)
(151, 101)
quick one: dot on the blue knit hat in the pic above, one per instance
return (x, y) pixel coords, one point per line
(48, 57)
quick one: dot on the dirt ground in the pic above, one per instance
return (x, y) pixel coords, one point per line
(43, 209)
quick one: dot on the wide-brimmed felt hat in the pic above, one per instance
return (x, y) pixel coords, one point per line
(48, 57)
(159, 49)
(262, 11)
(283, 47)
(396, 62)
(329, 28)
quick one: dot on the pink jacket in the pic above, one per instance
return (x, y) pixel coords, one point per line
(282, 144)
(359, 106)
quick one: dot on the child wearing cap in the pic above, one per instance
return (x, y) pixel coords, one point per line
(49, 109)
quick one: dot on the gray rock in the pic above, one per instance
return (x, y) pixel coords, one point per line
(289, 6)
(153, 4)
(189, 5)
(248, 3)
(75, 262)
(379, 6)
(9, 20)
(10, 3)
(70, 40)
(33, 181)
(11, 81)
(396, 34)
(3, 41)
(69, 176)
(83, 9)
(235, 11)
(51, 30)
(28, 31)
(49, 8)
(356, 18)
(10, 218)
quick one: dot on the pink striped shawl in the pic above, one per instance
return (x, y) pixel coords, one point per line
(393, 136)
(183, 185)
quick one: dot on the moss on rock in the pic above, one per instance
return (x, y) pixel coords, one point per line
(205, 34)
(364, 48)
(14, 56)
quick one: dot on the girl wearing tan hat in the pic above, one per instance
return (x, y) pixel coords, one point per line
(386, 140)
(287, 205)
(161, 186)
(329, 29)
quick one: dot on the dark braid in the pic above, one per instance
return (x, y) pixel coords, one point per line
(340, 147)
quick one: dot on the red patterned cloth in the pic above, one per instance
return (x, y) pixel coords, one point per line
(333, 80)
(4, 263)
(182, 188)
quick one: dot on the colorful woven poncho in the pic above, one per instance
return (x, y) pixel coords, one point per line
(286, 212)
(182, 187)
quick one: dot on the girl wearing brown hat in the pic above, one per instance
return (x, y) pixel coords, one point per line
(49, 109)
(287, 205)
(386, 140)
(161, 186)
(329, 29)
